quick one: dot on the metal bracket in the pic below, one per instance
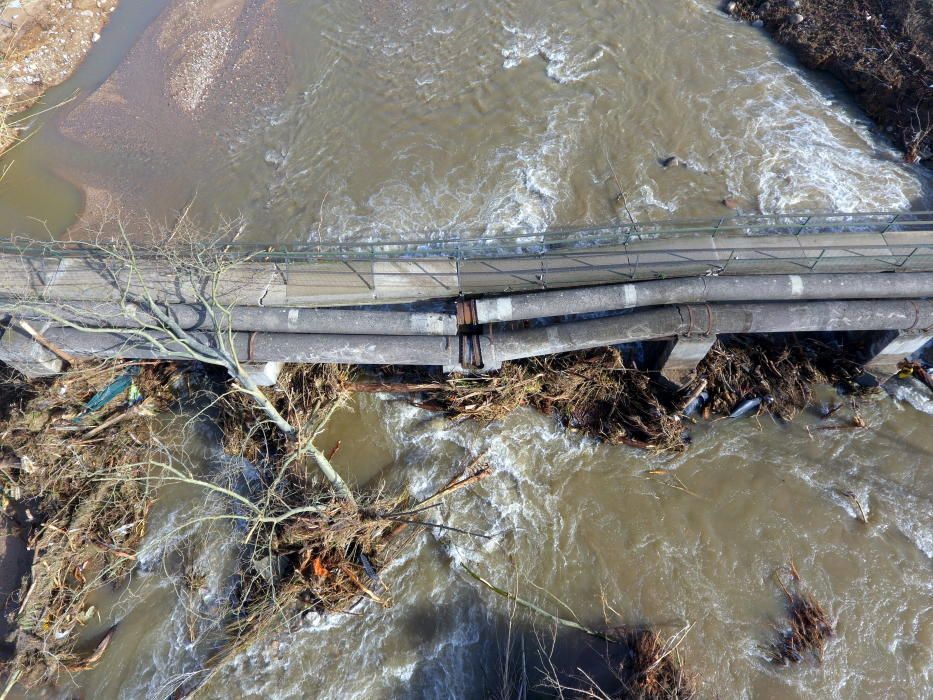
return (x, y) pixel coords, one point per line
(469, 331)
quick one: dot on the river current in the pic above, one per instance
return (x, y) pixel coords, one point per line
(400, 117)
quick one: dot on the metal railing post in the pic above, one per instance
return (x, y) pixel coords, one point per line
(907, 259)
(890, 224)
(800, 230)
(817, 261)
(372, 268)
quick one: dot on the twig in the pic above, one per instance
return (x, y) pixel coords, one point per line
(858, 504)
(621, 195)
(46, 343)
(534, 608)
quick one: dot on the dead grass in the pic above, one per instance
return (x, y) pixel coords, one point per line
(81, 488)
(808, 626)
(9, 129)
(593, 392)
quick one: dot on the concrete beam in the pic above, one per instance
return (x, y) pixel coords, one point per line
(682, 355)
(893, 347)
(265, 374)
(20, 351)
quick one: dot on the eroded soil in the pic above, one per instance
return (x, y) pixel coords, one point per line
(881, 50)
(42, 42)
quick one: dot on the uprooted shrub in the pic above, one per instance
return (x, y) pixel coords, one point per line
(652, 671)
(807, 627)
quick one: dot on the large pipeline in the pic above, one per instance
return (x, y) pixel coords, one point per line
(264, 319)
(698, 290)
(712, 319)
(266, 347)
(534, 305)
(502, 345)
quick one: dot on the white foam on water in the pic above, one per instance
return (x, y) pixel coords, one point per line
(900, 504)
(519, 190)
(803, 151)
(915, 394)
(563, 64)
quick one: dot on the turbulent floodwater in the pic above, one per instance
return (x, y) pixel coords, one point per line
(587, 523)
(405, 116)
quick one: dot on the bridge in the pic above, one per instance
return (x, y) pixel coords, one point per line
(473, 301)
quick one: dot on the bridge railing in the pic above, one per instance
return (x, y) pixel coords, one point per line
(494, 263)
(486, 243)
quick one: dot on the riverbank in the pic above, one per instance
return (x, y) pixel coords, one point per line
(42, 42)
(881, 50)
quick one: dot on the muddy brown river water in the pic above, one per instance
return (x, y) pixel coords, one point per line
(406, 116)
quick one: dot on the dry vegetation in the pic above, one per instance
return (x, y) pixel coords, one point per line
(596, 393)
(86, 482)
(651, 668)
(305, 540)
(41, 44)
(777, 367)
(593, 392)
(641, 664)
(305, 549)
(808, 626)
(77, 480)
(882, 50)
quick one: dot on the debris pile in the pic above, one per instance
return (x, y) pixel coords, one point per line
(808, 626)
(591, 391)
(75, 461)
(596, 393)
(305, 547)
(304, 395)
(881, 50)
(772, 373)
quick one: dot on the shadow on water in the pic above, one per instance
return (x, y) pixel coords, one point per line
(518, 657)
(924, 202)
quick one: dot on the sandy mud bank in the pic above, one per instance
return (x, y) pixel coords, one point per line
(196, 75)
(42, 42)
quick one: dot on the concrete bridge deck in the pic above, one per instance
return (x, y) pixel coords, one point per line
(404, 271)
